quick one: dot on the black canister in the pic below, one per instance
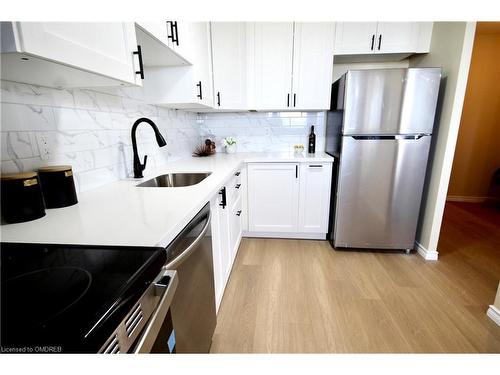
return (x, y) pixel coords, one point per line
(21, 197)
(58, 186)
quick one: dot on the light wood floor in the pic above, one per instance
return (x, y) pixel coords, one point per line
(302, 296)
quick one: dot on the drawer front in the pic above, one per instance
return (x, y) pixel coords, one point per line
(235, 216)
(234, 187)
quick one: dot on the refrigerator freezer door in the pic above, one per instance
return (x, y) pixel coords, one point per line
(420, 100)
(379, 192)
(390, 101)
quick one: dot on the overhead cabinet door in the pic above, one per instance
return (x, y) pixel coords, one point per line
(396, 37)
(229, 53)
(312, 65)
(101, 47)
(355, 37)
(273, 43)
(157, 29)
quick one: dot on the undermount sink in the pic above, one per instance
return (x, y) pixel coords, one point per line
(175, 180)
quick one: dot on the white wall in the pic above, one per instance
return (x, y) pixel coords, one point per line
(264, 131)
(88, 129)
(451, 49)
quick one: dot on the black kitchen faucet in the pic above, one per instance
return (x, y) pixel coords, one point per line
(138, 167)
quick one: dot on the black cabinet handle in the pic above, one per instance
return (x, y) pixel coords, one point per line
(373, 42)
(200, 95)
(176, 30)
(218, 98)
(223, 202)
(294, 99)
(237, 174)
(288, 100)
(141, 67)
(172, 34)
(315, 166)
(379, 41)
(238, 213)
(238, 186)
(296, 171)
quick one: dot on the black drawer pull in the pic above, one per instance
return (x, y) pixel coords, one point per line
(223, 202)
(315, 166)
(238, 186)
(238, 213)
(237, 173)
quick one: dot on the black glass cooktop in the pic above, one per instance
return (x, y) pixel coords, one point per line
(69, 298)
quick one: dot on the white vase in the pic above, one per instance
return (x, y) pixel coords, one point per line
(231, 149)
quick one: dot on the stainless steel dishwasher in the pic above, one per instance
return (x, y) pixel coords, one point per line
(193, 306)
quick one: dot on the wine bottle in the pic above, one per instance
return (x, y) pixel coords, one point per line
(312, 141)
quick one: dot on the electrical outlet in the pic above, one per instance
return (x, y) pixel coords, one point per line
(43, 146)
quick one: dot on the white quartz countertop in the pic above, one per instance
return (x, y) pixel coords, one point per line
(123, 214)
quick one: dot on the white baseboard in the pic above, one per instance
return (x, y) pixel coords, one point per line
(460, 198)
(425, 253)
(494, 314)
(302, 236)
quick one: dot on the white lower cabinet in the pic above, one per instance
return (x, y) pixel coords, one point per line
(235, 227)
(314, 200)
(226, 209)
(273, 197)
(289, 199)
(220, 247)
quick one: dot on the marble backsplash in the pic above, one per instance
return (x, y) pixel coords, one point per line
(88, 129)
(264, 131)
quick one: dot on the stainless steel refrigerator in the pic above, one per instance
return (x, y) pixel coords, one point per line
(379, 129)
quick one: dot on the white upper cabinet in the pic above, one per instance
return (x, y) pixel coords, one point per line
(155, 39)
(183, 36)
(70, 54)
(397, 37)
(186, 87)
(355, 37)
(293, 65)
(157, 29)
(230, 64)
(312, 65)
(373, 38)
(273, 43)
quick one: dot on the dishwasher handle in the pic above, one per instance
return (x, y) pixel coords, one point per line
(178, 260)
(150, 332)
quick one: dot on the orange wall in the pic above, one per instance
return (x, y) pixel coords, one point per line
(477, 153)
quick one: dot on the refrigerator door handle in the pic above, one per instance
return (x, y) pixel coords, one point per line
(388, 137)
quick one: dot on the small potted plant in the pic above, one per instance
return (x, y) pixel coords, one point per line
(230, 144)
